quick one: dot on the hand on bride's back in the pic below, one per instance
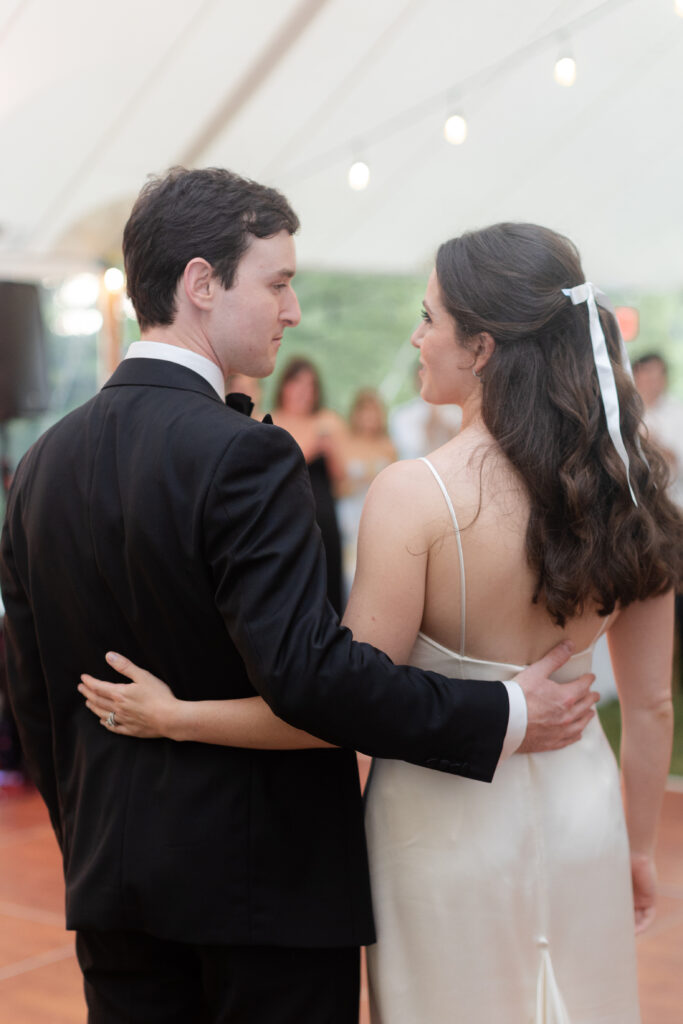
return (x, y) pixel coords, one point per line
(557, 713)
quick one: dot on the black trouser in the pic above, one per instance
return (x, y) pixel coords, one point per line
(133, 978)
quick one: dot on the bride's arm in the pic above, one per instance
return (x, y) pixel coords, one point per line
(641, 647)
(146, 708)
(387, 598)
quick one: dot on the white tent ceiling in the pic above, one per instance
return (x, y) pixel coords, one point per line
(95, 95)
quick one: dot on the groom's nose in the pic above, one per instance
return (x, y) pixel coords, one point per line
(291, 312)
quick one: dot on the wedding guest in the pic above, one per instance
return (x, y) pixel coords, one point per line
(663, 415)
(416, 428)
(366, 450)
(663, 418)
(318, 432)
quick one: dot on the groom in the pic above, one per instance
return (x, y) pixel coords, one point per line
(210, 883)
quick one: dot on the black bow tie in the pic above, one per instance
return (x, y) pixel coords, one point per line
(240, 402)
(243, 403)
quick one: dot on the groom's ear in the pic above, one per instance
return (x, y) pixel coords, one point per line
(199, 283)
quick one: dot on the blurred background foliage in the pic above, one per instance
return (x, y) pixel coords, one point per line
(356, 329)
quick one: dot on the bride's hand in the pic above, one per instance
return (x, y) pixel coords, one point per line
(143, 708)
(644, 878)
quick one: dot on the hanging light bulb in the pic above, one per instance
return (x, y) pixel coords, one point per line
(565, 71)
(359, 175)
(455, 130)
(77, 323)
(79, 292)
(113, 280)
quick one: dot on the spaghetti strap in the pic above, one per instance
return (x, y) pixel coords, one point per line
(456, 528)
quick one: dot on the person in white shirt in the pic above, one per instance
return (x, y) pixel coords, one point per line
(417, 428)
(663, 417)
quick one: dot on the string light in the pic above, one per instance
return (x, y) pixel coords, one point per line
(565, 71)
(455, 130)
(359, 175)
(498, 71)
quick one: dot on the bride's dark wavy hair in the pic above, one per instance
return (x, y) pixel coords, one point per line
(586, 541)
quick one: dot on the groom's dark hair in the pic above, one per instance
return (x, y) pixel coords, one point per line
(211, 213)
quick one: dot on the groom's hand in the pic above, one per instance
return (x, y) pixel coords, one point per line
(557, 713)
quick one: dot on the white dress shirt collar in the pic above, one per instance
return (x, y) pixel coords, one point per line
(184, 357)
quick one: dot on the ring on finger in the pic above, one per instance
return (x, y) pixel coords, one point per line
(111, 720)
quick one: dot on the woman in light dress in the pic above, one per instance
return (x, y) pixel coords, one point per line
(545, 517)
(366, 450)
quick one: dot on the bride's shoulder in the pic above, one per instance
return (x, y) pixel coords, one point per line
(401, 491)
(399, 476)
(396, 510)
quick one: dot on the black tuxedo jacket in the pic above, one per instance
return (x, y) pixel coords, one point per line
(157, 522)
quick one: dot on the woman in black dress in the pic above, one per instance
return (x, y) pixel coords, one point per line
(317, 431)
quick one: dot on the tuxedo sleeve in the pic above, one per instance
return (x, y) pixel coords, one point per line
(26, 683)
(268, 565)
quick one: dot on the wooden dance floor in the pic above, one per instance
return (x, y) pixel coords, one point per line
(39, 977)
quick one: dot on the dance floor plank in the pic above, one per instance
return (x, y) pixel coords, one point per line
(39, 978)
(46, 994)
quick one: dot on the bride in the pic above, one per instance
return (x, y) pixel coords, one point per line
(546, 517)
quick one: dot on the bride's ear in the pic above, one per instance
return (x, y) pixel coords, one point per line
(483, 350)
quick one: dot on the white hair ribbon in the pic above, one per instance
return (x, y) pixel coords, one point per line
(608, 389)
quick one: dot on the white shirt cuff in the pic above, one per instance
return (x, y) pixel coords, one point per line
(517, 721)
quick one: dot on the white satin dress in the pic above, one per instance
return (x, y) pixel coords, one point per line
(501, 903)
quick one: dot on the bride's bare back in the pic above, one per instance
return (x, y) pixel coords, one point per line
(408, 575)
(492, 509)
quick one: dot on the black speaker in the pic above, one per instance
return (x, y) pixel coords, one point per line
(23, 352)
